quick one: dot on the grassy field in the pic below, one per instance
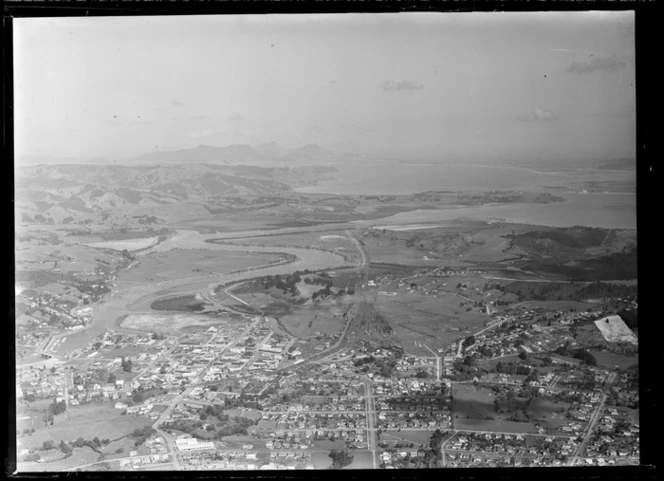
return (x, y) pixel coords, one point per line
(300, 319)
(361, 460)
(179, 263)
(128, 244)
(88, 421)
(473, 407)
(547, 412)
(394, 252)
(180, 303)
(496, 426)
(453, 245)
(170, 323)
(321, 460)
(417, 437)
(610, 360)
(435, 322)
(473, 402)
(562, 305)
(70, 258)
(55, 460)
(325, 317)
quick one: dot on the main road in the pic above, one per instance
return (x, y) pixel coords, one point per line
(371, 419)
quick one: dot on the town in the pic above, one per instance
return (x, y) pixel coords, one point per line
(524, 390)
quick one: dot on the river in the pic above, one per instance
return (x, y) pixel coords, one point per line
(138, 299)
(611, 211)
(592, 210)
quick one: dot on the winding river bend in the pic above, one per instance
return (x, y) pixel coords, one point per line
(137, 300)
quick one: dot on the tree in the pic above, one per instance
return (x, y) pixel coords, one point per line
(523, 356)
(56, 408)
(386, 370)
(32, 457)
(443, 389)
(48, 445)
(97, 441)
(111, 378)
(340, 458)
(533, 376)
(139, 397)
(126, 364)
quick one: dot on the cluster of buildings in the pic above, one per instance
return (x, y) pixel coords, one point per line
(427, 421)
(41, 383)
(41, 316)
(319, 420)
(393, 458)
(246, 460)
(521, 445)
(239, 365)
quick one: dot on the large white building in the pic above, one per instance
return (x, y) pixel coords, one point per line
(193, 444)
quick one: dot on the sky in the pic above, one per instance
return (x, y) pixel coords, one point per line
(544, 85)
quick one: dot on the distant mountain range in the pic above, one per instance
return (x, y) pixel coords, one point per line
(100, 193)
(237, 154)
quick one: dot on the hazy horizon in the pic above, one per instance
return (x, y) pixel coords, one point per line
(443, 85)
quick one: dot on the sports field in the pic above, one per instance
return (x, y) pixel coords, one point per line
(614, 329)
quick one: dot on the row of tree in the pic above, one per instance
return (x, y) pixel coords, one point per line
(67, 448)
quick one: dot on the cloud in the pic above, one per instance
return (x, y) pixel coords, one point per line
(363, 130)
(200, 135)
(236, 117)
(199, 117)
(538, 115)
(118, 121)
(392, 86)
(177, 103)
(597, 64)
(624, 111)
(542, 115)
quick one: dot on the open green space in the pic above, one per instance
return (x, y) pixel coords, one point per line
(182, 263)
(87, 421)
(404, 435)
(610, 360)
(179, 303)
